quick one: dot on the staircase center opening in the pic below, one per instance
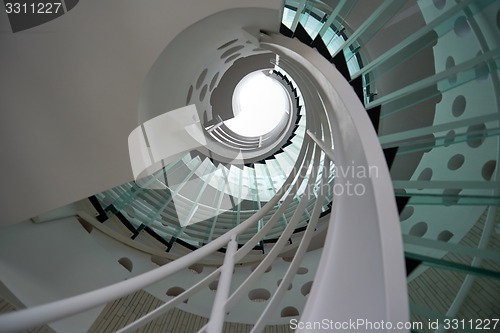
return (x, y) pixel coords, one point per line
(259, 104)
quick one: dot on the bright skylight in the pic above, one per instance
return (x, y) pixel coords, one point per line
(259, 103)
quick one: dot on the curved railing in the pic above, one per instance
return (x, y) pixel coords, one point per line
(362, 261)
(28, 318)
(375, 226)
(374, 229)
(159, 211)
(447, 210)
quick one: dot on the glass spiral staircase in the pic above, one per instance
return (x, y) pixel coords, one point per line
(438, 127)
(457, 280)
(215, 197)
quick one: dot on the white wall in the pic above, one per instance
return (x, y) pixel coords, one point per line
(70, 92)
(45, 262)
(36, 271)
(246, 311)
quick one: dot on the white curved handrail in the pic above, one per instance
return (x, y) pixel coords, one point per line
(307, 149)
(38, 315)
(244, 250)
(361, 273)
(299, 255)
(46, 313)
(374, 290)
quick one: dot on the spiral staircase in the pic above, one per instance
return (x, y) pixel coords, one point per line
(406, 89)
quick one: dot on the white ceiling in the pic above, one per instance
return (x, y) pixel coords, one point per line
(70, 92)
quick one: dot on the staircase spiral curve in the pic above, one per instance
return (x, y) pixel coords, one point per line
(387, 164)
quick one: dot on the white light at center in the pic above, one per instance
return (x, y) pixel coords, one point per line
(260, 103)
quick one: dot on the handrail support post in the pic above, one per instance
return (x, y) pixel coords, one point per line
(218, 313)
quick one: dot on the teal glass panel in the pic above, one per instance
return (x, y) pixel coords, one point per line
(418, 92)
(451, 196)
(419, 41)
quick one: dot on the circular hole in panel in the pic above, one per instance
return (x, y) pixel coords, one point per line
(203, 92)
(259, 295)
(306, 288)
(196, 269)
(488, 169)
(456, 161)
(289, 311)
(425, 175)
(458, 106)
(201, 78)
(431, 142)
(127, 263)
(289, 286)
(213, 285)
(406, 213)
(445, 235)
(432, 36)
(450, 196)
(232, 50)
(302, 271)
(189, 95)
(476, 135)
(461, 27)
(438, 98)
(231, 58)
(450, 63)
(231, 42)
(449, 138)
(214, 81)
(439, 4)
(482, 72)
(175, 291)
(419, 229)
(287, 259)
